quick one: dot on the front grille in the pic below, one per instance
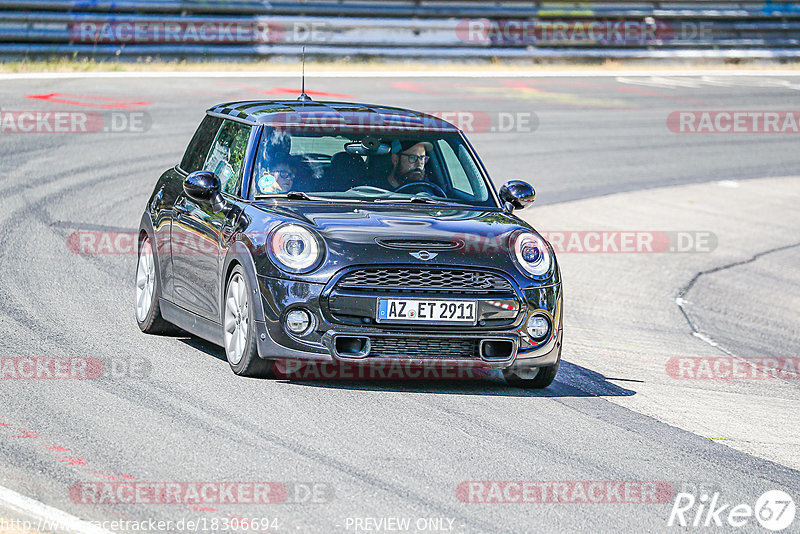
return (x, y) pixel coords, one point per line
(449, 280)
(420, 347)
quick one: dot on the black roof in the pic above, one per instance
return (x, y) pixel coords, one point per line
(330, 114)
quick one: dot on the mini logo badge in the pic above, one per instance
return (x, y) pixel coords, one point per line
(424, 255)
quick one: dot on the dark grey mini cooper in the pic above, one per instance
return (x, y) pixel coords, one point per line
(342, 232)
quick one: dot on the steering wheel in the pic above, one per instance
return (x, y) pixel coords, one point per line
(423, 185)
(367, 190)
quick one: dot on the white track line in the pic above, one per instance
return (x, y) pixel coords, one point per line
(49, 518)
(395, 74)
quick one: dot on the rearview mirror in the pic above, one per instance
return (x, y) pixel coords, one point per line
(203, 186)
(368, 146)
(517, 193)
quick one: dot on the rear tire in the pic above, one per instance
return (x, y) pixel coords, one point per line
(239, 333)
(148, 291)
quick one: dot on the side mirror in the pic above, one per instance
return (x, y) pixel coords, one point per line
(517, 193)
(203, 186)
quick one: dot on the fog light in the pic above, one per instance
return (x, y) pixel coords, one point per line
(298, 321)
(538, 327)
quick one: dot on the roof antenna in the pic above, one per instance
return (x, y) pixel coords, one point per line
(303, 96)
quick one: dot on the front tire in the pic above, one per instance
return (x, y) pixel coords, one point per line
(534, 378)
(148, 291)
(239, 334)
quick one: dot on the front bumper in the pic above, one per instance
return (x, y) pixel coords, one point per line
(497, 347)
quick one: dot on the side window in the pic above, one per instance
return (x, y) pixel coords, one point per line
(198, 147)
(470, 169)
(458, 177)
(464, 174)
(226, 157)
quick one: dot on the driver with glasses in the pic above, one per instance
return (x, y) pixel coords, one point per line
(408, 163)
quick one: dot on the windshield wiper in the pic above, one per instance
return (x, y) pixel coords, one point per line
(291, 195)
(298, 195)
(420, 200)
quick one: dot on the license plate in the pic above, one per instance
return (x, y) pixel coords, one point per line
(428, 310)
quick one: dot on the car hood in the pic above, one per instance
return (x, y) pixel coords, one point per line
(364, 234)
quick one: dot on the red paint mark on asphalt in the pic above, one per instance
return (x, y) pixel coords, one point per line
(118, 476)
(309, 92)
(89, 101)
(410, 86)
(102, 475)
(565, 83)
(513, 84)
(69, 460)
(72, 461)
(283, 90)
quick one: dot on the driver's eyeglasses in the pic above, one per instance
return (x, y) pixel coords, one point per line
(281, 175)
(413, 158)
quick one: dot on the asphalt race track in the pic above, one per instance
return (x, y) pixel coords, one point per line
(361, 455)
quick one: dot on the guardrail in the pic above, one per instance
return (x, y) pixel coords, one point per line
(400, 28)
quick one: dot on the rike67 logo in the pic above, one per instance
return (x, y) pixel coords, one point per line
(774, 510)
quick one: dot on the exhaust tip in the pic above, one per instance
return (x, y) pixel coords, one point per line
(497, 349)
(351, 346)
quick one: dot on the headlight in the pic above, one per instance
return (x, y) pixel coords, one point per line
(295, 249)
(532, 254)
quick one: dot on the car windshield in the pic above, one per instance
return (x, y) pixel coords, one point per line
(434, 167)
